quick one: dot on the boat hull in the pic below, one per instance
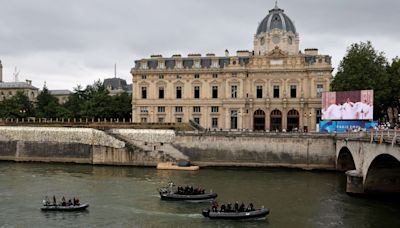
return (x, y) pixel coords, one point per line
(65, 208)
(194, 198)
(260, 213)
(171, 166)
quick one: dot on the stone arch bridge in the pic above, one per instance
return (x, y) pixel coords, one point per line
(371, 167)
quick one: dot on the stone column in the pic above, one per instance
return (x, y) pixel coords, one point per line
(354, 184)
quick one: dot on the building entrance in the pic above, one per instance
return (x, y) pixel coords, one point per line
(293, 118)
(259, 120)
(276, 120)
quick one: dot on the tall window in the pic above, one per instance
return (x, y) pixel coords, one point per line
(214, 109)
(276, 91)
(143, 120)
(259, 91)
(320, 90)
(160, 76)
(178, 92)
(144, 92)
(161, 109)
(197, 92)
(215, 75)
(161, 92)
(233, 91)
(179, 120)
(318, 115)
(293, 91)
(215, 92)
(197, 76)
(178, 109)
(214, 122)
(144, 77)
(234, 120)
(196, 109)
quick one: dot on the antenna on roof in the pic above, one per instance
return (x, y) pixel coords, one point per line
(276, 4)
(115, 70)
(15, 74)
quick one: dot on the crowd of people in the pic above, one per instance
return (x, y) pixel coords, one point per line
(189, 190)
(228, 207)
(65, 203)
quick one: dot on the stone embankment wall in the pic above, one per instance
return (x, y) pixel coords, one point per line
(147, 147)
(307, 152)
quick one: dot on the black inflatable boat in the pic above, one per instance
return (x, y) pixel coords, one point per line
(259, 213)
(166, 194)
(64, 208)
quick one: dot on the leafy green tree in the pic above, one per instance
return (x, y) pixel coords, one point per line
(364, 68)
(394, 85)
(47, 105)
(18, 106)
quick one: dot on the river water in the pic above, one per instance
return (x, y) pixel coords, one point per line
(128, 197)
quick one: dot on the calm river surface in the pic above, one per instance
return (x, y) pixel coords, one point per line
(127, 197)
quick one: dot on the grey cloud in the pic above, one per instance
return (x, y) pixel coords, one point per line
(76, 42)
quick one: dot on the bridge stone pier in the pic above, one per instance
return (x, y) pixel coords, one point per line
(371, 168)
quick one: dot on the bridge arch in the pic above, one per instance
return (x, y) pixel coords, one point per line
(383, 175)
(345, 160)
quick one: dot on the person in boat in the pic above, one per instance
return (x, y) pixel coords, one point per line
(241, 208)
(46, 201)
(223, 209)
(214, 206)
(250, 207)
(236, 206)
(77, 201)
(229, 207)
(54, 200)
(63, 202)
(69, 202)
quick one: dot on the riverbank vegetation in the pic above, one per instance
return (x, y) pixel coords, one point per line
(93, 101)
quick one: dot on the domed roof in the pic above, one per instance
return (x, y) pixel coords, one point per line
(276, 19)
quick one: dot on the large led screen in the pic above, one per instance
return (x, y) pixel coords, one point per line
(348, 105)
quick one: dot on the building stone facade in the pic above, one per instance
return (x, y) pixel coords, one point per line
(274, 87)
(61, 95)
(9, 89)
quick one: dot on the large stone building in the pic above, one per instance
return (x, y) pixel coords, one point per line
(117, 86)
(9, 89)
(273, 87)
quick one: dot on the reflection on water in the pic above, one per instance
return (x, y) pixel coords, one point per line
(127, 197)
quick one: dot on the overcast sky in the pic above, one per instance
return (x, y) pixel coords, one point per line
(71, 42)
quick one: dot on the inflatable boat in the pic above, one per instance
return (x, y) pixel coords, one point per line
(258, 213)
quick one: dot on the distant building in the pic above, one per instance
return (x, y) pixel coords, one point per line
(117, 85)
(9, 89)
(273, 87)
(61, 95)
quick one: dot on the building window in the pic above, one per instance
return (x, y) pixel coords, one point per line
(161, 92)
(178, 92)
(276, 91)
(234, 91)
(178, 77)
(318, 115)
(197, 92)
(234, 120)
(293, 91)
(234, 75)
(144, 77)
(196, 109)
(143, 120)
(144, 92)
(160, 76)
(215, 76)
(320, 90)
(215, 92)
(259, 91)
(161, 109)
(161, 120)
(178, 109)
(144, 110)
(214, 122)
(214, 109)
(179, 120)
(197, 76)
(197, 120)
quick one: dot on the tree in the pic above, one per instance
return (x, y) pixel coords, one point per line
(47, 105)
(394, 89)
(364, 68)
(18, 106)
